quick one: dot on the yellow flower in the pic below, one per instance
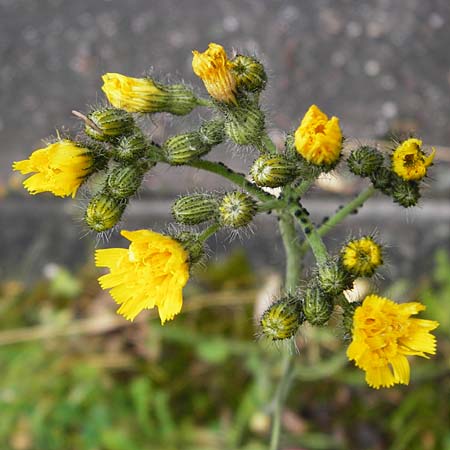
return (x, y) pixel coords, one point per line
(151, 272)
(214, 68)
(318, 139)
(362, 256)
(384, 334)
(409, 161)
(60, 168)
(140, 95)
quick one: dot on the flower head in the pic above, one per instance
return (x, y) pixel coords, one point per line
(361, 257)
(60, 168)
(151, 272)
(409, 161)
(214, 68)
(384, 334)
(140, 95)
(319, 139)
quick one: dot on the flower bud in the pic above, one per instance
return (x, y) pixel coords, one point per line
(249, 73)
(365, 160)
(382, 179)
(109, 124)
(317, 306)
(212, 132)
(332, 279)
(192, 244)
(181, 100)
(129, 148)
(406, 193)
(282, 319)
(244, 124)
(183, 148)
(194, 209)
(104, 212)
(273, 171)
(145, 95)
(237, 209)
(347, 319)
(124, 181)
(361, 257)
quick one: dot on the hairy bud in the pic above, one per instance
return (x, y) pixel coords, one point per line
(406, 193)
(132, 147)
(317, 306)
(273, 171)
(124, 181)
(244, 124)
(237, 209)
(332, 279)
(282, 319)
(361, 257)
(109, 124)
(104, 212)
(212, 132)
(183, 148)
(194, 209)
(382, 179)
(192, 244)
(249, 73)
(365, 160)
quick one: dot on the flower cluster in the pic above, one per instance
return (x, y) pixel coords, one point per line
(155, 267)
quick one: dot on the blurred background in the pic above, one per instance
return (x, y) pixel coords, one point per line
(74, 375)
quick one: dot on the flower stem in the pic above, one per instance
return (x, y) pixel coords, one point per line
(208, 232)
(293, 270)
(236, 178)
(204, 102)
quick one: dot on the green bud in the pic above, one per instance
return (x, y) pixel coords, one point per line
(249, 73)
(347, 319)
(365, 160)
(304, 169)
(273, 171)
(192, 244)
(124, 181)
(180, 101)
(109, 124)
(104, 212)
(132, 147)
(317, 306)
(405, 193)
(183, 148)
(332, 279)
(244, 124)
(237, 209)
(382, 179)
(194, 209)
(212, 132)
(282, 319)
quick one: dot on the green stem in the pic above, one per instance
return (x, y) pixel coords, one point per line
(234, 177)
(342, 214)
(270, 205)
(212, 229)
(293, 269)
(267, 144)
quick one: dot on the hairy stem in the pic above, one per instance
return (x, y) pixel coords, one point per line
(208, 232)
(293, 269)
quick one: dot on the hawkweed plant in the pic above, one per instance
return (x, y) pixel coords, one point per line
(152, 271)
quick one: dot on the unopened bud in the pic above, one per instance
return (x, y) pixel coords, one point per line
(180, 100)
(361, 257)
(365, 160)
(382, 179)
(192, 244)
(194, 209)
(317, 306)
(273, 171)
(282, 319)
(249, 73)
(108, 124)
(183, 148)
(124, 181)
(129, 148)
(212, 132)
(237, 209)
(347, 319)
(332, 279)
(406, 193)
(244, 124)
(104, 212)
